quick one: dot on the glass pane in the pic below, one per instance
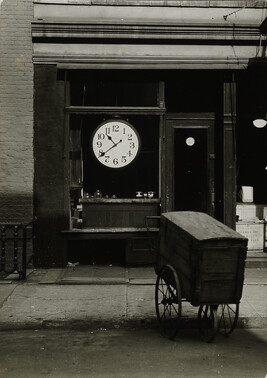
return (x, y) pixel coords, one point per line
(75, 156)
(114, 89)
(142, 175)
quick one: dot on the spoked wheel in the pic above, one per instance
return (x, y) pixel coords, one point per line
(168, 301)
(228, 316)
(207, 322)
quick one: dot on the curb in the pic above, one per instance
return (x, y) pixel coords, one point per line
(93, 324)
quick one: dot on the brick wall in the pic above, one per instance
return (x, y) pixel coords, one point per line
(16, 111)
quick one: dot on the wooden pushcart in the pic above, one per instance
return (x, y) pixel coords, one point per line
(202, 261)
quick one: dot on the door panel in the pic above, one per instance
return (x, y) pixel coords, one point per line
(190, 169)
(190, 163)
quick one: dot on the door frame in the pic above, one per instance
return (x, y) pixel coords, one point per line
(190, 120)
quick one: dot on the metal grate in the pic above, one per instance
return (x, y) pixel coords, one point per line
(14, 245)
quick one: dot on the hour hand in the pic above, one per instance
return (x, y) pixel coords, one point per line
(109, 138)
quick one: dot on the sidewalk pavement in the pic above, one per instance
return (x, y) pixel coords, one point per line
(94, 296)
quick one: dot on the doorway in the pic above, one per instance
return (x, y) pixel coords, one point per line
(190, 163)
(190, 169)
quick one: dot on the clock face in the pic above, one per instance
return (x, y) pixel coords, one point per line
(115, 144)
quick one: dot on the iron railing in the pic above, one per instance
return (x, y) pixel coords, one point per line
(14, 240)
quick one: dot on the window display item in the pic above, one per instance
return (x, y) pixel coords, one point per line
(115, 143)
(247, 193)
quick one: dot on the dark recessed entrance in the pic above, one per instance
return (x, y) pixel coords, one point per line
(97, 252)
(190, 169)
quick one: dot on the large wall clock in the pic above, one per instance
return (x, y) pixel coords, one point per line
(115, 143)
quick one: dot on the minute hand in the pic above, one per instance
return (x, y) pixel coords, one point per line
(104, 153)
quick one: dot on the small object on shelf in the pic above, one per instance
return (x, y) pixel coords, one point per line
(79, 223)
(97, 194)
(150, 194)
(246, 193)
(139, 194)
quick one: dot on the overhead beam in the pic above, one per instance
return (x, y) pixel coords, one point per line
(136, 29)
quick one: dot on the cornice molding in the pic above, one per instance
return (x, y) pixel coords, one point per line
(114, 29)
(161, 3)
(114, 110)
(151, 62)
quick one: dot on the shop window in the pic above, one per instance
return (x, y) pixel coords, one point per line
(87, 172)
(114, 152)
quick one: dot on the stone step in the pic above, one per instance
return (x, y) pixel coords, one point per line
(256, 259)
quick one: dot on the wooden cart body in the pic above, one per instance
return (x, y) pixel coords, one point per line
(208, 256)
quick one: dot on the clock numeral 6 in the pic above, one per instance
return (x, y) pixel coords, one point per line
(115, 161)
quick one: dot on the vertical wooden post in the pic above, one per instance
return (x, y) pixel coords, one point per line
(161, 104)
(229, 151)
(65, 152)
(50, 174)
(24, 253)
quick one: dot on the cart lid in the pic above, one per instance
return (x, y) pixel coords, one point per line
(201, 226)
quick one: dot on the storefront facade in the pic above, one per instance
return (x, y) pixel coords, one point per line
(138, 106)
(165, 77)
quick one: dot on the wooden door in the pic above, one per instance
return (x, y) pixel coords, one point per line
(190, 163)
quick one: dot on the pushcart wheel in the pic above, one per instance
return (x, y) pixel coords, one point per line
(228, 316)
(168, 301)
(207, 322)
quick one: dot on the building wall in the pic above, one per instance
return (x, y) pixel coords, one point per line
(50, 177)
(16, 111)
(184, 34)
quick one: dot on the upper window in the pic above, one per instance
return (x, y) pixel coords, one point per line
(98, 89)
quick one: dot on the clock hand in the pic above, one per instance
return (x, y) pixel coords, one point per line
(109, 138)
(114, 145)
